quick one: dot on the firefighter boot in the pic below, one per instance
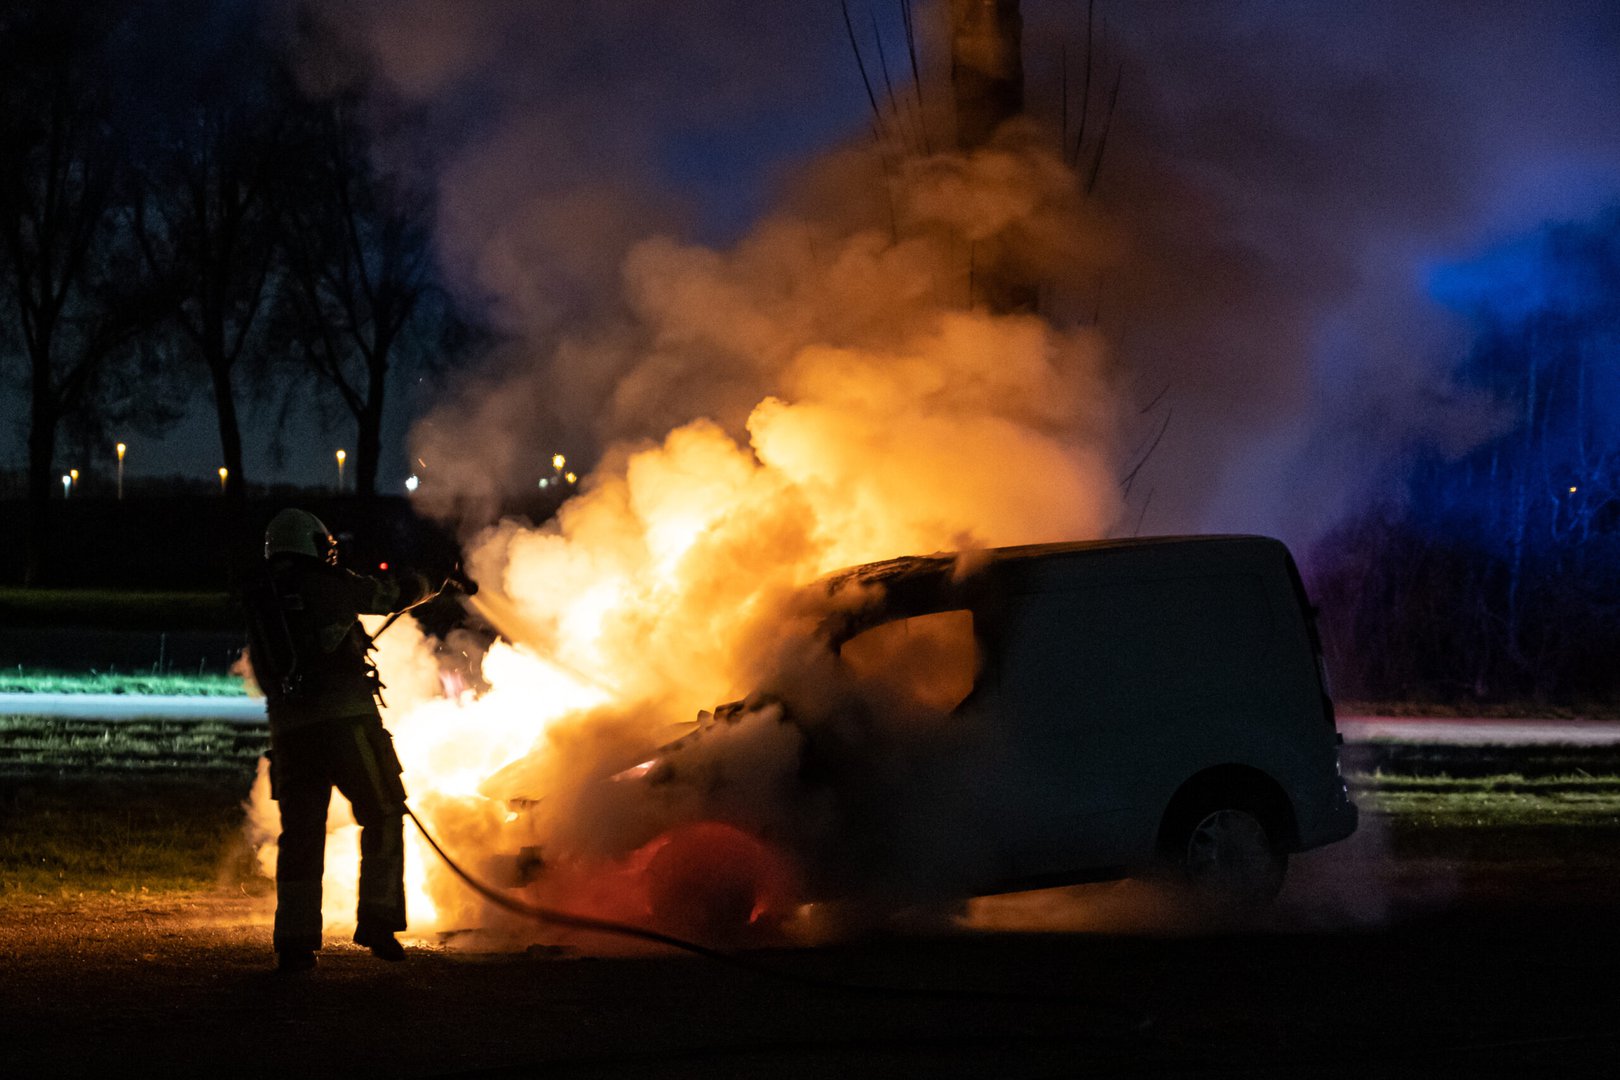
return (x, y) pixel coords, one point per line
(382, 943)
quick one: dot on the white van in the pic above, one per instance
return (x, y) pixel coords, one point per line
(1082, 711)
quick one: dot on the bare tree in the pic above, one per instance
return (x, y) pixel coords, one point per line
(71, 271)
(360, 275)
(209, 226)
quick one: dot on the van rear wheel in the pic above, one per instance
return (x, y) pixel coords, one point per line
(1227, 857)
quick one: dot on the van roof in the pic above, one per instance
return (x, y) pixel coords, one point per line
(887, 570)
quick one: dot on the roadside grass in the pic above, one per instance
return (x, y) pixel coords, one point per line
(61, 838)
(1507, 800)
(26, 681)
(32, 746)
(97, 806)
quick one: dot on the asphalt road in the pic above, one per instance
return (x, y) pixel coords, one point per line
(1469, 952)
(180, 987)
(1455, 731)
(241, 710)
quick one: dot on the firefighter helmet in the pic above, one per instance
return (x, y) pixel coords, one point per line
(299, 532)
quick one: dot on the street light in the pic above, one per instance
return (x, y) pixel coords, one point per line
(67, 485)
(570, 477)
(224, 474)
(121, 448)
(342, 456)
(411, 482)
(558, 461)
(73, 476)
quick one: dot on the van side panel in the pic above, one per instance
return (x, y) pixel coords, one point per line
(1124, 672)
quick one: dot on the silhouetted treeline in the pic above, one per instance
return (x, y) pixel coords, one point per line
(180, 207)
(203, 542)
(1496, 574)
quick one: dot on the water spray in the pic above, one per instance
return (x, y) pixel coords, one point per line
(499, 613)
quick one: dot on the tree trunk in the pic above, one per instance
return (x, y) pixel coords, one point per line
(369, 446)
(41, 480)
(987, 83)
(230, 432)
(987, 67)
(369, 449)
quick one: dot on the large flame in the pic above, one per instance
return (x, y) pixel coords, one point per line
(888, 421)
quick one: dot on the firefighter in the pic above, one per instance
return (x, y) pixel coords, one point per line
(311, 658)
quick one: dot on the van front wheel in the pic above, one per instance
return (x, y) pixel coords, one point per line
(1227, 858)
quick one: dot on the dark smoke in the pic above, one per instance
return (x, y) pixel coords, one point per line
(1282, 173)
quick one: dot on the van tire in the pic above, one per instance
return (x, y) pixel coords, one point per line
(1225, 850)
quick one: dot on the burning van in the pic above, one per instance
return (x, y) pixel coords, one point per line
(967, 724)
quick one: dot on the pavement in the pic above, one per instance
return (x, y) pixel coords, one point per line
(1479, 731)
(236, 710)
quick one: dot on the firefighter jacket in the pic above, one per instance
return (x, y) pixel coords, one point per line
(309, 653)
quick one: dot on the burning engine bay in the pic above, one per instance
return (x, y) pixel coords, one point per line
(957, 725)
(849, 775)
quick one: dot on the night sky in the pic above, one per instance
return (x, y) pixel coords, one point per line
(1294, 188)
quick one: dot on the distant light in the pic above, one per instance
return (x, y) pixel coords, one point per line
(382, 566)
(570, 477)
(1572, 491)
(67, 485)
(558, 461)
(544, 482)
(411, 482)
(342, 456)
(121, 448)
(74, 474)
(223, 473)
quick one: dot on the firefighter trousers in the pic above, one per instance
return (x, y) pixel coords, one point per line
(356, 756)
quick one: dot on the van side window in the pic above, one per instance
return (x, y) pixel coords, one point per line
(929, 660)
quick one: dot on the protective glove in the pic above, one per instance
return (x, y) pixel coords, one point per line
(459, 581)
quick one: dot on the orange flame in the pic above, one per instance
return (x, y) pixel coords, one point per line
(659, 588)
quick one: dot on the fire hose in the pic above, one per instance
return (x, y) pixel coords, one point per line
(1129, 1018)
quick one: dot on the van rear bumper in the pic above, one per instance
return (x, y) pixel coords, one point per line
(1337, 822)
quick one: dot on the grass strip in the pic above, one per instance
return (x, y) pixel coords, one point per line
(64, 837)
(94, 806)
(25, 681)
(57, 746)
(1503, 801)
(1501, 782)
